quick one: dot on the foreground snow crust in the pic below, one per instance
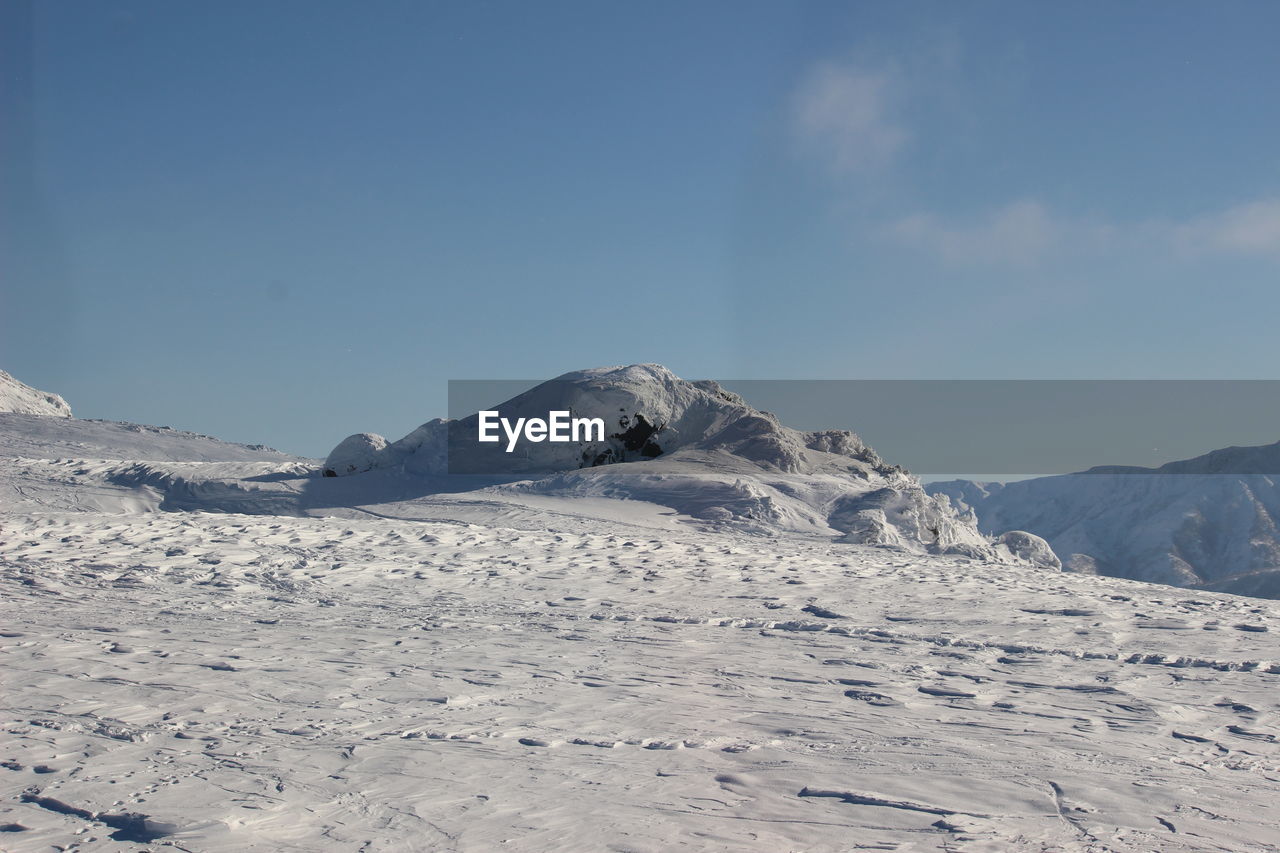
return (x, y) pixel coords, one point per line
(524, 678)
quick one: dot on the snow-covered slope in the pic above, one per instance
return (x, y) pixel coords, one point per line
(67, 463)
(21, 398)
(188, 681)
(32, 437)
(50, 460)
(700, 450)
(1212, 521)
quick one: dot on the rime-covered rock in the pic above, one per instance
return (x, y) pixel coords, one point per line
(1029, 547)
(355, 454)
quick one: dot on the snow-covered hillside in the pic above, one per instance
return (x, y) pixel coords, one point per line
(21, 398)
(691, 450)
(703, 452)
(66, 463)
(33, 437)
(1212, 521)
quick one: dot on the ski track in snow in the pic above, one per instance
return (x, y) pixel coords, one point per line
(268, 683)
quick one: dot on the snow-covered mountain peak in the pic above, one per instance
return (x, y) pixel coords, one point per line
(20, 398)
(648, 413)
(622, 374)
(698, 449)
(649, 382)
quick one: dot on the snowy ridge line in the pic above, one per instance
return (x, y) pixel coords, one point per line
(73, 439)
(792, 625)
(20, 398)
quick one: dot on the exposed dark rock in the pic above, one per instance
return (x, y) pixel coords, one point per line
(637, 435)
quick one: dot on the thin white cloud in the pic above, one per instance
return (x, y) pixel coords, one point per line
(844, 114)
(1248, 229)
(1016, 234)
(851, 117)
(1026, 232)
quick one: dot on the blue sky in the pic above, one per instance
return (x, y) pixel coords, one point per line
(289, 221)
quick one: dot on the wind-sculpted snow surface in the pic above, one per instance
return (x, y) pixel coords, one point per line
(20, 398)
(698, 449)
(1211, 522)
(212, 683)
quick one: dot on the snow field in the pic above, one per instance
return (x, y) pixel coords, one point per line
(271, 683)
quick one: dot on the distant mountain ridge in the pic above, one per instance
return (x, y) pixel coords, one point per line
(1260, 459)
(1212, 521)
